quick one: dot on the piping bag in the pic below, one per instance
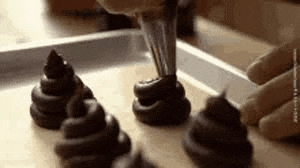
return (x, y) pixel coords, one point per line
(159, 30)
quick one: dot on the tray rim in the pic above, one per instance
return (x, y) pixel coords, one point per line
(194, 55)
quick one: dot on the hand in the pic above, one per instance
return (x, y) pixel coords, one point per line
(130, 6)
(272, 105)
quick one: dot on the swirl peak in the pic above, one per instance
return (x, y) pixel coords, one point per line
(55, 65)
(220, 109)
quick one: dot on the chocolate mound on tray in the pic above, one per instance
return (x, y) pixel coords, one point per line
(136, 160)
(92, 137)
(161, 101)
(216, 138)
(51, 95)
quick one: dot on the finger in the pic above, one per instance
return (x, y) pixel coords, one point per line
(280, 124)
(268, 97)
(274, 63)
(249, 112)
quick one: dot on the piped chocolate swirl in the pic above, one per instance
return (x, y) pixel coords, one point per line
(216, 138)
(51, 95)
(161, 101)
(92, 137)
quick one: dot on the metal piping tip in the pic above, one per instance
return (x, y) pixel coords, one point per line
(159, 30)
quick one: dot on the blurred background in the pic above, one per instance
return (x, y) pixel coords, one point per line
(236, 31)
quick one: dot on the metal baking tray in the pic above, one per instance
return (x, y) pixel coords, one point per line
(110, 63)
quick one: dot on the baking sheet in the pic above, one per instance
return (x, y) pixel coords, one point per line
(117, 47)
(110, 64)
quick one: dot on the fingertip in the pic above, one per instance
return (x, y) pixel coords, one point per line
(255, 73)
(249, 112)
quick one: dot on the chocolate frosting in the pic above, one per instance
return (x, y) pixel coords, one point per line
(217, 138)
(92, 137)
(161, 101)
(51, 94)
(55, 66)
(133, 161)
